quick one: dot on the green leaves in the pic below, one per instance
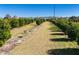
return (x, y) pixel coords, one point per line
(14, 23)
(39, 20)
(18, 22)
(70, 28)
(6, 24)
(4, 31)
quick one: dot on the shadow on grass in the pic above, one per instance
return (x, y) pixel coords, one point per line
(61, 39)
(57, 34)
(55, 31)
(65, 51)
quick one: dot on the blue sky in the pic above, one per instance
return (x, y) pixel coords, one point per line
(67, 10)
(30, 10)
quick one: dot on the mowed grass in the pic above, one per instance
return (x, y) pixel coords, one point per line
(54, 28)
(62, 45)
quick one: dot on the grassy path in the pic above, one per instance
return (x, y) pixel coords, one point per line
(62, 45)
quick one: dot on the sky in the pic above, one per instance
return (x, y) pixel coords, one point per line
(34, 10)
(67, 10)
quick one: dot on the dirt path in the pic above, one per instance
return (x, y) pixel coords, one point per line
(37, 43)
(41, 41)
